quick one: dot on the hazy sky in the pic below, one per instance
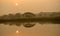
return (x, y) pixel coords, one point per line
(35, 6)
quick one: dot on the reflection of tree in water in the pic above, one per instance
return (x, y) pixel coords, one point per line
(27, 24)
(12, 23)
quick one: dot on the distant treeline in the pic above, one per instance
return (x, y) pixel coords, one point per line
(53, 17)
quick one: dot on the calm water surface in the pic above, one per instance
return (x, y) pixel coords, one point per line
(46, 29)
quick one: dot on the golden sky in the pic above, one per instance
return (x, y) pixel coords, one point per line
(35, 6)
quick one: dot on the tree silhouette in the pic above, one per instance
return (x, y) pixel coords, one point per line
(28, 14)
(17, 16)
(10, 16)
(4, 17)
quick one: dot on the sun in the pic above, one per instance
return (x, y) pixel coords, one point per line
(16, 4)
(17, 31)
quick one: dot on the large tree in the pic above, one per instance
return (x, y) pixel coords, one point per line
(28, 14)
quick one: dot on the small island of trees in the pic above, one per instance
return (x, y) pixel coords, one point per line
(28, 17)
